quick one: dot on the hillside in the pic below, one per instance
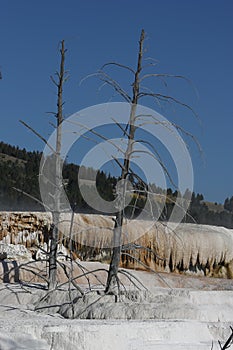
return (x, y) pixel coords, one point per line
(20, 168)
(7, 158)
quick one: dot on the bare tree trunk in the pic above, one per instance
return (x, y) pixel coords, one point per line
(112, 280)
(58, 176)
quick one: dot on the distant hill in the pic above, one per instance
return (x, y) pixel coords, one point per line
(7, 158)
(215, 207)
(20, 168)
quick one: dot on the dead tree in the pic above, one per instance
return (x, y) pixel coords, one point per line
(57, 173)
(116, 254)
(138, 92)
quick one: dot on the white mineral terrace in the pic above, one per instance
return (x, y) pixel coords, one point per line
(177, 318)
(178, 312)
(190, 248)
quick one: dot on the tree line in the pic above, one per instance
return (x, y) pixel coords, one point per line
(20, 168)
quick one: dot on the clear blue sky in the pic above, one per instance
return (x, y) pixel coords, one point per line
(192, 38)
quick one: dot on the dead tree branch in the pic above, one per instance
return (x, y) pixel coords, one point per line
(228, 343)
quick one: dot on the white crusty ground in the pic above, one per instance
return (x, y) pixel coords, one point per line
(190, 314)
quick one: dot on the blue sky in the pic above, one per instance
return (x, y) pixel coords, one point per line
(191, 38)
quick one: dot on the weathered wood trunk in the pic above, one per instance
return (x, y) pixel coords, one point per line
(58, 176)
(112, 280)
